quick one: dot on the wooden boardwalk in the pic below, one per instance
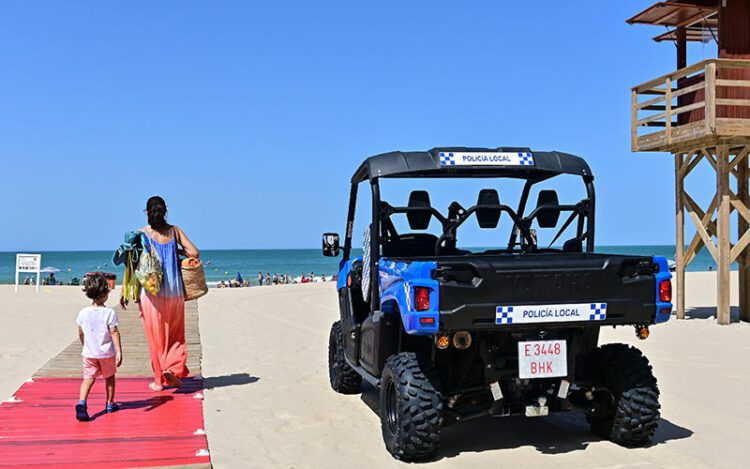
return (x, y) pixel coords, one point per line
(136, 361)
(38, 426)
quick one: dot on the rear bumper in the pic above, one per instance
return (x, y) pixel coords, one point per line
(475, 318)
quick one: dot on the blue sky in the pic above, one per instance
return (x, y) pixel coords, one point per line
(250, 117)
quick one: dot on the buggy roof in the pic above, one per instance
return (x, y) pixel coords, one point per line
(472, 162)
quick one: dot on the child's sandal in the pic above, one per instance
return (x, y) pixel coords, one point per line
(82, 413)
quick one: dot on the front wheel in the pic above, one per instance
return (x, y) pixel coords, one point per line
(411, 408)
(633, 415)
(344, 378)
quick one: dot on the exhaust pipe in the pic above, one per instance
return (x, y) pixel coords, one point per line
(462, 340)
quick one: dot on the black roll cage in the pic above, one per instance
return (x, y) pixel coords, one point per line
(584, 209)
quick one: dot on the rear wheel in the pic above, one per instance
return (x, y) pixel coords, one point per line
(344, 379)
(633, 415)
(411, 408)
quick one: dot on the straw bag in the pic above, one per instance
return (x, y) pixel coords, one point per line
(193, 278)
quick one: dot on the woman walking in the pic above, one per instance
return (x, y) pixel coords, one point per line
(163, 314)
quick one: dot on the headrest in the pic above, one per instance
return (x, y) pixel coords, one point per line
(420, 219)
(488, 217)
(548, 217)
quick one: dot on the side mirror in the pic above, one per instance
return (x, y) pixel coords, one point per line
(331, 244)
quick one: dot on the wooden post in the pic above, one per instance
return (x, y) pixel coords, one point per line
(668, 110)
(710, 97)
(723, 311)
(679, 256)
(634, 120)
(743, 260)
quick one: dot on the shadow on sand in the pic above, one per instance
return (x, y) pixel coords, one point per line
(708, 312)
(558, 433)
(235, 379)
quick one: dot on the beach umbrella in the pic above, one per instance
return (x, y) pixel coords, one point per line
(239, 277)
(50, 270)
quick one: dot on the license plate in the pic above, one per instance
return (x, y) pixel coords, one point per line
(542, 359)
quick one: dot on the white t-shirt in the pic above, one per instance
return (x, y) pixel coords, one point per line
(95, 322)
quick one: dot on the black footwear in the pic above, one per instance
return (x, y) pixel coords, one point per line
(82, 413)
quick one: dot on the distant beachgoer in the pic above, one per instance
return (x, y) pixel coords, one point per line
(100, 337)
(221, 285)
(27, 280)
(268, 278)
(52, 280)
(163, 314)
(260, 279)
(710, 268)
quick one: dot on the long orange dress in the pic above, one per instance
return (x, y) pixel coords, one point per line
(163, 316)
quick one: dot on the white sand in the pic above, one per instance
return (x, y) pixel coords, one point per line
(35, 327)
(289, 416)
(265, 356)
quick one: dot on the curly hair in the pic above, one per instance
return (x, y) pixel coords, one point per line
(95, 285)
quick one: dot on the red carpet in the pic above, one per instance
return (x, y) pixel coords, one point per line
(150, 429)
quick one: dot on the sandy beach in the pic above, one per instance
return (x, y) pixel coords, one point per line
(268, 402)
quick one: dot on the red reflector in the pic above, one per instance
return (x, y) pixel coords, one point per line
(426, 321)
(421, 298)
(666, 311)
(665, 291)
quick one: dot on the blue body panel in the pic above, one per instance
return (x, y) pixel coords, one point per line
(663, 274)
(398, 279)
(397, 283)
(344, 269)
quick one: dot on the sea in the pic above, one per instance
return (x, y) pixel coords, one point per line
(226, 264)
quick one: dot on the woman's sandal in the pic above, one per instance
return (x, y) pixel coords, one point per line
(173, 380)
(155, 387)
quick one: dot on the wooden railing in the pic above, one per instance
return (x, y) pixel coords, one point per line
(710, 98)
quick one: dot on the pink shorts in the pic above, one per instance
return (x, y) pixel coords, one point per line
(96, 367)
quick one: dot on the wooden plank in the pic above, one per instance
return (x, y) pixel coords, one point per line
(651, 84)
(709, 157)
(643, 104)
(694, 210)
(691, 163)
(743, 228)
(722, 235)
(737, 249)
(688, 89)
(690, 107)
(737, 161)
(733, 83)
(653, 118)
(704, 219)
(679, 161)
(733, 102)
(135, 347)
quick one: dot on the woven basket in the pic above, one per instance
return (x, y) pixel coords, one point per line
(193, 278)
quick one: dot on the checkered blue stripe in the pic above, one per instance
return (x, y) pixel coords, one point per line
(526, 159)
(502, 315)
(447, 159)
(598, 312)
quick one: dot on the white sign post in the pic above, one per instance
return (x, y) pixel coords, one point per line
(28, 264)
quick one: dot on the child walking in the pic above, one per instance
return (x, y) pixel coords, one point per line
(102, 352)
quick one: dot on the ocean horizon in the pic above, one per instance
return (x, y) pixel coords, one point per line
(224, 264)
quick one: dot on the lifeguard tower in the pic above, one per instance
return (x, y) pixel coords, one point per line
(701, 112)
